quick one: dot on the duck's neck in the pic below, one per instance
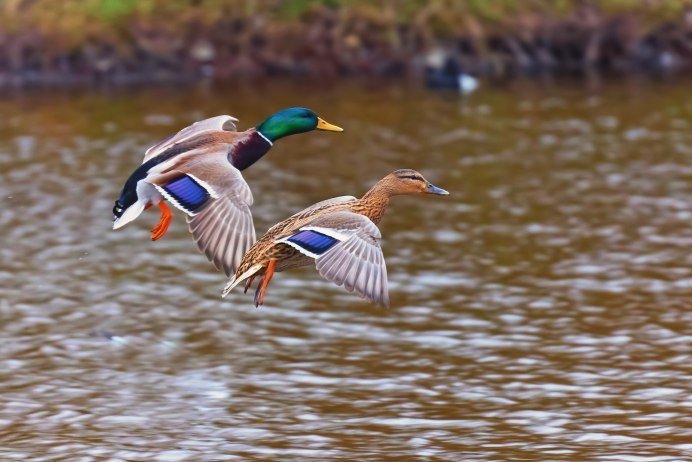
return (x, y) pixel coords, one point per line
(249, 150)
(374, 203)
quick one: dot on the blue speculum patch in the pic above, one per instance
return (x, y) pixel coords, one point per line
(187, 192)
(313, 241)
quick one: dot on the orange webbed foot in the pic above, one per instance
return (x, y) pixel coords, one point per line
(262, 289)
(160, 229)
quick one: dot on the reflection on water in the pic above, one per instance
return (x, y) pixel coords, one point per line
(541, 312)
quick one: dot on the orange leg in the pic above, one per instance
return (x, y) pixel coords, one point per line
(262, 289)
(165, 220)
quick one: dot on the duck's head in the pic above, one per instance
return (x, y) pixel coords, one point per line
(407, 181)
(293, 121)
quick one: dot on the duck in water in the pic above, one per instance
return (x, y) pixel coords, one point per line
(339, 235)
(443, 72)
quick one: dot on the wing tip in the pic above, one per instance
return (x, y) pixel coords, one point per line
(229, 286)
(385, 302)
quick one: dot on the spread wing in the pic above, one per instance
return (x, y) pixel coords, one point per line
(346, 251)
(213, 124)
(224, 231)
(217, 201)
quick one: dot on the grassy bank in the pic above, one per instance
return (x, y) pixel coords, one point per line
(125, 41)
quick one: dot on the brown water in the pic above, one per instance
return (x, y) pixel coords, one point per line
(540, 312)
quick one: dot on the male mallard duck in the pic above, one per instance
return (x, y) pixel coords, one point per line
(339, 234)
(198, 171)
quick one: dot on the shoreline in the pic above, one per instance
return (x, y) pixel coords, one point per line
(326, 43)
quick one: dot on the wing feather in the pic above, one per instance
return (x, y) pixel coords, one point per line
(219, 220)
(356, 262)
(222, 122)
(222, 226)
(224, 232)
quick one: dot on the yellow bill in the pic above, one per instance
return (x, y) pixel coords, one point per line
(322, 125)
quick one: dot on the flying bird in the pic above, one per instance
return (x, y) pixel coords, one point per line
(339, 235)
(198, 171)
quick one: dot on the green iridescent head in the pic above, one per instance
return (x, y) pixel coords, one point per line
(293, 121)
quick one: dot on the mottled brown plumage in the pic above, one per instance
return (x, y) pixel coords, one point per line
(345, 229)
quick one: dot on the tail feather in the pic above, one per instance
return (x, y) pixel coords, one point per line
(235, 281)
(127, 207)
(128, 215)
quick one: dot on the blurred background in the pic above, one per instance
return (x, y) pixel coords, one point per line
(539, 312)
(119, 42)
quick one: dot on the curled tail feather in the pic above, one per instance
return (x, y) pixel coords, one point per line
(234, 281)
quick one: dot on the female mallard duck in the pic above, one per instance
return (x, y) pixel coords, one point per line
(198, 171)
(339, 234)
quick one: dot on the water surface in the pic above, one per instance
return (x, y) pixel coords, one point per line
(540, 312)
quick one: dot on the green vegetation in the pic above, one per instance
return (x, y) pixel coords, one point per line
(100, 39)
(77, 20)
